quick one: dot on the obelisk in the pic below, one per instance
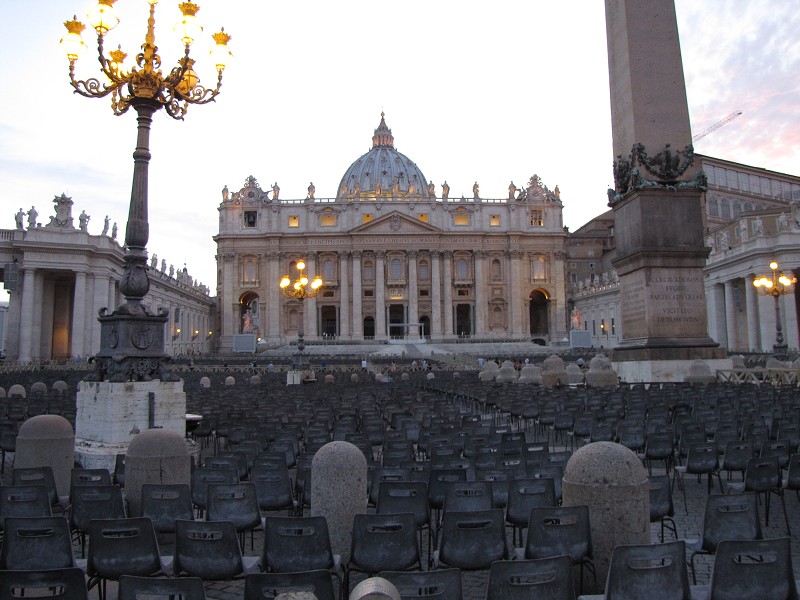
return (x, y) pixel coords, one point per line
(660, 250)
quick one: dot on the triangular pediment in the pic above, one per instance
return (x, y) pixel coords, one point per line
(395, 222)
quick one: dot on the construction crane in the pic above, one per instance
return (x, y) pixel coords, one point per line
(716, 126)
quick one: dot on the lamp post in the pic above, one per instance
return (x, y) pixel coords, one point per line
(776, 286)
(300, 289)
(131, 337)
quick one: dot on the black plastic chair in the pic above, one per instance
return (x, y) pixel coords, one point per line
(37, 476)
(121, 547)
(94, 502)
(523, 496)
(293, 544)
(753, 570)
(80, 476)
(385, 474)
(701, 459)
(38, 543)
(662, 509)
(202, 478)
(273, 489)
(132, 587)
(23, 501)
(543, 579)
(548, 471)
(466, 496)
(659, 447)
(407, 497)
(726, 517)
(737, 455)
(655, 572)
(259, 586)
(553, 531)
(382, 542)
(165, 503)
(763, 476)
(472, 540)
(58, 584)
(210, 550)
(442, 584)
(237, 503)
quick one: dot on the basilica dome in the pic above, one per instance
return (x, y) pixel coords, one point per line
(384, 173)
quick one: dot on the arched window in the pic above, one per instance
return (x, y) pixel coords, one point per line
(538, 267)
(423, 271)
(737, 209)
(748, 207)
(249, 271)
(368, 271)
(713, 207)
(497, 271)
(725, 209)
(497, 317)
(462, 269)
(328, 270)
(396, 268)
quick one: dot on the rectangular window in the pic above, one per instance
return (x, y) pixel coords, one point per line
(327, 220)
(463, 293)
(327, 294)
(367, 293)
(462, 219)
(573, 278)
(733, 179)
(423, 217)
(250, 218)
(537, 220)
(494, 220)
(424, 293)
(294, 221)
(613, 328)
(367, 217)
(744, 182)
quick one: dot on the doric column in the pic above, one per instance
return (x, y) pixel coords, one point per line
(751, 304)
(26, 318)
(358, 318)
(448, 293)
(310, 328)
(344, 297)
(436, 295)
(78, 316)
(730, 316)
(274, 296)
(380, 295)
(100, 301)
(413, 294)
(479, 286)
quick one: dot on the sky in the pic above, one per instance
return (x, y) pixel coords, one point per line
(473, 91)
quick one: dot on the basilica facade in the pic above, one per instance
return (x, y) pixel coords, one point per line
(398, 257)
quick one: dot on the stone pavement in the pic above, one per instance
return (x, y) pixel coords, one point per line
(689, 526)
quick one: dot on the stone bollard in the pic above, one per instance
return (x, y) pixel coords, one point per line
(60, 386)
(255, 380)
(230, 380)
(296, 596)
(329, 378)
(610, 479)
(39, 387)
(205, 383)
(17, 391)
(354, 378)
(339, 491)
(155, 456)
(47, 441)
(375, 588)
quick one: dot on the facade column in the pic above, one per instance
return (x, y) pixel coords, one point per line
(101, 284)
(730, 316)
(26, 318)
(358, 318)
(448, 294)
(718, 330)
(766, 309)
(413, 294)
(344, 297)
(380, 295)
(228, 304)
(311, 331)
(436, 295)
(38, 299)
(751, 303)
(479, 256)
(274, 302)
(516, 300)
(78, 328)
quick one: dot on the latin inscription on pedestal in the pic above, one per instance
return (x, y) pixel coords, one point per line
(664, 303)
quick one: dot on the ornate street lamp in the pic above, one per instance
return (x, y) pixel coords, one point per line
(776, 286)
(132, 339)
(300, 289)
